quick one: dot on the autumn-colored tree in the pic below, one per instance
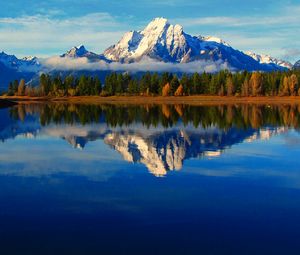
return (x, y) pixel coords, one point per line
(256, 83)
(29, 91)
(245, 88)
(179, 109)
(221, 91)
(166, 111)
(284, 87)
(293, 83)
(179, 91)
(166, 90)
(21, 88)
(229, 86)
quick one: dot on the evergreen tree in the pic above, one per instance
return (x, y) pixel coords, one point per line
(174, 84)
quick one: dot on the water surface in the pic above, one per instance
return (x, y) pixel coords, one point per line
(86, 179)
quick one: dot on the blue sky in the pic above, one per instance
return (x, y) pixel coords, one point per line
(45, 28)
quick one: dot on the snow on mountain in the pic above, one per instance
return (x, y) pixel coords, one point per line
(158, 40)
(165, 42)
(213, 39)
(12, 68)
(11, 61)
(267, 59)
(82, 52)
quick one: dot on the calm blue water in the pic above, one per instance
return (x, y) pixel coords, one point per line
(149, 180)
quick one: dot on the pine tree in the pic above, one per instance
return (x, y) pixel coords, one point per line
(186, 84)
(10, 91)
(196, 80)
(174, 84)
(15, 87)
(133, 87)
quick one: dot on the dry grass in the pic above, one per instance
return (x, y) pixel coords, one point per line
(192, 100)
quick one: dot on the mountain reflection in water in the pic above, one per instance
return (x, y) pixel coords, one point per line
(160, 137)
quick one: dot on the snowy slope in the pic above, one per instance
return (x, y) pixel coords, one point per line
(267, 59)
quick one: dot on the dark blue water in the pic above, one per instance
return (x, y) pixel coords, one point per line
(131, 180)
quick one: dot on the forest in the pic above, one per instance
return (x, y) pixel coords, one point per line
(223, 83)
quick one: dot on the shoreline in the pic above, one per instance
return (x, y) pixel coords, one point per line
(191, 100)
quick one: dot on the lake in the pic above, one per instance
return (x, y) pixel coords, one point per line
(150, 179)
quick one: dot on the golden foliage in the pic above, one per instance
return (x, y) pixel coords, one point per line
(166, 111)
(256, 83)
(179, 91)
(166, 90)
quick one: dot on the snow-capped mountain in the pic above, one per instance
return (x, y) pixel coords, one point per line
(297, 65)
(11, 61)
(159, 41)
(165, 42)
(12, 68)
(267, 59)
(82, 52)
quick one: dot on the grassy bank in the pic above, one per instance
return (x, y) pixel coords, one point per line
(194, 100)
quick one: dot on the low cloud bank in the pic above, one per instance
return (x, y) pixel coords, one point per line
(146, 64)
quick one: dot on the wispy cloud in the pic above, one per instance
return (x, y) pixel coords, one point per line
(45, 32)
(288, 16)
(269, 33)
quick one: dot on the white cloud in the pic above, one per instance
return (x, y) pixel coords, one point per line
(65, 64)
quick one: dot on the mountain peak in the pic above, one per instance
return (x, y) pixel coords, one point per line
(75, 52)
(157, 23)
(29, 58)
(159, 36)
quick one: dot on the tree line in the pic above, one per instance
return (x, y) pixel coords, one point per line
(223, 83)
